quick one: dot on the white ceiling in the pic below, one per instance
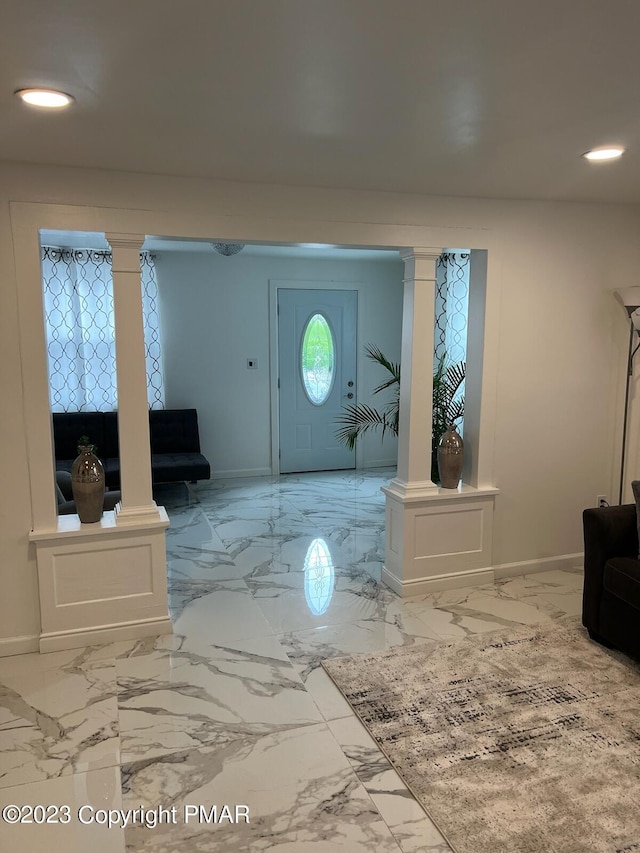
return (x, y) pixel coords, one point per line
(492, 98)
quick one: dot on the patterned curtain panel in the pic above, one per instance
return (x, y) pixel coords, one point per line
(78, 304)
(452, 311)
(452, 306)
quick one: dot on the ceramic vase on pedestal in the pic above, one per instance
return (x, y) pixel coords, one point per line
(450, 458)
(87, 484)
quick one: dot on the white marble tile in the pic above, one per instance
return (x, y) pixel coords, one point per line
(302, 795)
(58, 715)
(557, 593)
(291, 556)
(461, 595)
(218, 613)
(175, 497)
(558, 604)
(541, 582)
(185, 564)
(91, 791)
(307, 649)
(191, 529)
(328, 699)
(502, 611)
(270, 505)
(450, 624)
(184, 694)
(340, 600)
(361, 545)
(409, 824)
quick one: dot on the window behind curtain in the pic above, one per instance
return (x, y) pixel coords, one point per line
(78, 304)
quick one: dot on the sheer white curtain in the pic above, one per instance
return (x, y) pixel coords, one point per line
(78, 304)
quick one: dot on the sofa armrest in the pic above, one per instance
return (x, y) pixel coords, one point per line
(608, 532)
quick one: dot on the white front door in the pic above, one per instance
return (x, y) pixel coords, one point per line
(317, 376)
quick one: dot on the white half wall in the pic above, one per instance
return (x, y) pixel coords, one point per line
(214, 313)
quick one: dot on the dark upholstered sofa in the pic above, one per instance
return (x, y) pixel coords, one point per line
(175, 444)
(611, 598)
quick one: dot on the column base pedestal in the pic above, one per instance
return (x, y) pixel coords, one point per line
(437, 538)
(101, 582)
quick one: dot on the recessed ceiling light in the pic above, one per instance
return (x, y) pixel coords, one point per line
(48, 98)
(604, 153)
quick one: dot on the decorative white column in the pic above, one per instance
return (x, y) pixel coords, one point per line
(435, 538)
(137, 502)
(416, 388)
(107, 581)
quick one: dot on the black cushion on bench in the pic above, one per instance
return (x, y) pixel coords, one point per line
(174, 431)
(172, 467)
(68, 427)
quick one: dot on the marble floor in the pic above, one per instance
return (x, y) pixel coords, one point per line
(266, 579)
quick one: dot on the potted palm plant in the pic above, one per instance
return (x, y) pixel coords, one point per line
(448, 405)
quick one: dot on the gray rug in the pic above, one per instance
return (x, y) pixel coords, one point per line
(518, 742)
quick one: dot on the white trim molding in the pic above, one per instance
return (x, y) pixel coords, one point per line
(543, 564)
(19, 645)
(58, 641)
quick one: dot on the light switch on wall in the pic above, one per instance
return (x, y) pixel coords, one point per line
(252, 362)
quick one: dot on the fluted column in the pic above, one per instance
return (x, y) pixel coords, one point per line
(137, 502)
(416, 388)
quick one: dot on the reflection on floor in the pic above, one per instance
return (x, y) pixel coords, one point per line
(266, 579)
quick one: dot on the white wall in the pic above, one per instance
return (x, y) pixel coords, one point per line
(215, 314)
(558, 336)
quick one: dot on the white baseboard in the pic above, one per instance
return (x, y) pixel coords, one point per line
(421, 586)
(475, 577)
(61, 640)
(19, 645)
(381, 463)
(544, 564)
(241, 472)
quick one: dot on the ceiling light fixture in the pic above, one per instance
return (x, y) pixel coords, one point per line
(48, 98)
(604, 153)
(228, 249)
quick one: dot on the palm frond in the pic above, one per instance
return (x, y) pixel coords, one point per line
(388, 384)
(375, 354)
(359, 419)
(455, 375)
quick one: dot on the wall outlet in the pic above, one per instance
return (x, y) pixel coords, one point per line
(602, 501)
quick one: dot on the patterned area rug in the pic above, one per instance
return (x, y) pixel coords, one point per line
(518, 742)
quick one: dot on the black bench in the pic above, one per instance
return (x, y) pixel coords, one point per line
(175, 444)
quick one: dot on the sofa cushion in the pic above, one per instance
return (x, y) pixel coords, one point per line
(172, 467)
(111, 472)
(64, 485)
(622, 579)
(110, 446)
(65, 465)
(174, 431)
(68, 427)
